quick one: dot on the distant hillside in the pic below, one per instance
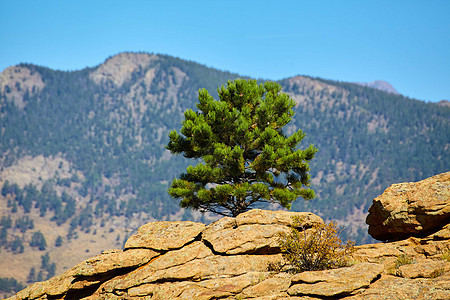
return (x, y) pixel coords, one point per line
(83, 162)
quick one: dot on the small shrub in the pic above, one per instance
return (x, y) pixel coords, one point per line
(316, 248)
(403, 260)
(437, 273)
(394, 272)
(275, 266)
(446, 256)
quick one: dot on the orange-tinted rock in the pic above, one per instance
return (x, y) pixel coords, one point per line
(268, 285)
(390, 287)
(91, 272)
(164, 235)
(411, 209)
(337, 282)
(425, 269)
(254, 231)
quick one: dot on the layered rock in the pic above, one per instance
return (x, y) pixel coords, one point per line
(233, 258)
(328, 283)
(411, 209)
(185, 260)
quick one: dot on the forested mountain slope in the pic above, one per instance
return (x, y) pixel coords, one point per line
(83, 162)
(367, 139)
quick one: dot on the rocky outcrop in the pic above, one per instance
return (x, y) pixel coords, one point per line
(233, 258)
(444, 103)
(16, 81)
(119, 68)
(411, 209)
(182, 260)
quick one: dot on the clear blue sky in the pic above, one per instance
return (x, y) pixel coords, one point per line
(406, 43)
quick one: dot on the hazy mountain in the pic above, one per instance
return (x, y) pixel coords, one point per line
(83, 162)
(380, 85)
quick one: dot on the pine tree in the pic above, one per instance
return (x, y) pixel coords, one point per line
(32, 275)
(246, 156)
(38, 240)
(17, 245)
(58, 241)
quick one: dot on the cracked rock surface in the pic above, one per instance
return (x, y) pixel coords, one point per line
(411, 209)
(230, 259)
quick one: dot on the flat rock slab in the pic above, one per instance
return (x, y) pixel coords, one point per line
(280, 217)
(104, 263)
(329, 283)
(268, 286)
(390, 287)
(195, 270)
(165, 235)
(245, 239)
(255, 231)
(425, 269)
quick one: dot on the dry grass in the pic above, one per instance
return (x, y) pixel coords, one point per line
(446, 256)
(403, 260)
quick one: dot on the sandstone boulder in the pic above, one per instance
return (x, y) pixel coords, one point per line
(254, 231)
(411, 209)
(164, 235)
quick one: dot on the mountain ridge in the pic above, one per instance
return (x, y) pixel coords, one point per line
(102, 130)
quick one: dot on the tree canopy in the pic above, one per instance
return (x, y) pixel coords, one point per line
(245, 156)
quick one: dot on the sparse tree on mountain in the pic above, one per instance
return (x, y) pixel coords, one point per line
(58, 241)
(32, 275)
(38, 240)
(246, 157)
